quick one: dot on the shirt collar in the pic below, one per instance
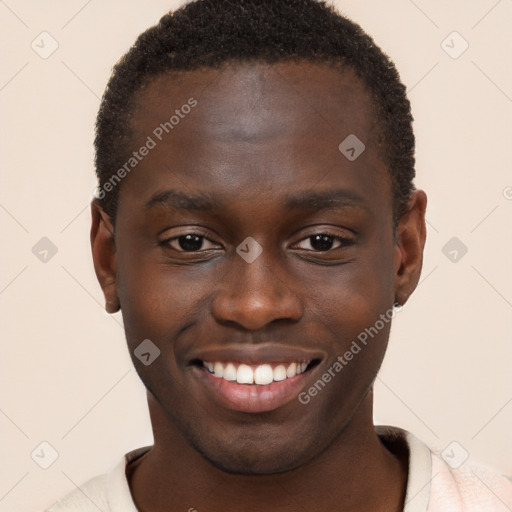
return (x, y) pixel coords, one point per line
(418, 481)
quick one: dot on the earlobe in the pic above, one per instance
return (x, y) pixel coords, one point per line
(104, 255)
(410, 241)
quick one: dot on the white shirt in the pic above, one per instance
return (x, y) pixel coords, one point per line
(433, 484)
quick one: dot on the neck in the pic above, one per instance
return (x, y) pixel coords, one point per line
(356, 472)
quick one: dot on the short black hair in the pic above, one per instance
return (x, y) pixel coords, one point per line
(210, 33)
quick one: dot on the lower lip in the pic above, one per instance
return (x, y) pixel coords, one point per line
(252, 398)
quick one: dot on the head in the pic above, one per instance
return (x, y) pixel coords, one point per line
(255, 162)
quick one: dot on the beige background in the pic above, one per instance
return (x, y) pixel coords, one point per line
(66, 377)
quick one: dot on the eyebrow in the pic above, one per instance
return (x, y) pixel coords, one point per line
(182, 201)
(305, 200)
(327, 200)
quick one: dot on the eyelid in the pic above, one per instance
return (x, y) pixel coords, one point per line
(166, 241)
(344, 240)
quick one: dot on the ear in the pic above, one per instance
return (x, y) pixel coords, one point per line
(411, 234)
(104, 255)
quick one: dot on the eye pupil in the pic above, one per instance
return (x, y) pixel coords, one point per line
(321, 242)
(190, 242)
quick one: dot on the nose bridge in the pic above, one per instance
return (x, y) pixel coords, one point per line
(258, 274)
(256, 290)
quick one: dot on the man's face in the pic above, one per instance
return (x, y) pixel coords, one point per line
(260, 153)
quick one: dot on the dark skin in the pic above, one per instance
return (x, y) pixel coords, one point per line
(259, 134)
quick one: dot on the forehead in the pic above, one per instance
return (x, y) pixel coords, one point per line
(258, 126)
(245, 100)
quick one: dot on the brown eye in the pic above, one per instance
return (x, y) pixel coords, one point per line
(323, 242)
(190, 242)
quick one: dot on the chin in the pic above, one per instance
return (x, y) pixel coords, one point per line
(251, 461)
(249, 449)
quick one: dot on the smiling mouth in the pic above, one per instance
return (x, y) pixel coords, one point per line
(256, 374)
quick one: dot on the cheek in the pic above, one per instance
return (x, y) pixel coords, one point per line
(356, 312)
(354, 295)
(355, 307)
(158, 300)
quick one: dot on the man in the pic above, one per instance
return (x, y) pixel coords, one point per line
(255, 217)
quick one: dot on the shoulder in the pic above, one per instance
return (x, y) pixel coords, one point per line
(472, 487)
(109, 492)
(449, 480)
(89, 497)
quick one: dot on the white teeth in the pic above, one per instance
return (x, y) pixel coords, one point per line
(279, 373)
(244, 374)
(291, 370)
(230, 372)
(218, 369)
(262, 375)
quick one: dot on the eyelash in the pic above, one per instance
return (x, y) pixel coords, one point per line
(344, 241)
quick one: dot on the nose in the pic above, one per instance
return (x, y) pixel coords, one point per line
(255, 294)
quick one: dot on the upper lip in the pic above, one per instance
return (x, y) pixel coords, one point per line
(262, 354)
